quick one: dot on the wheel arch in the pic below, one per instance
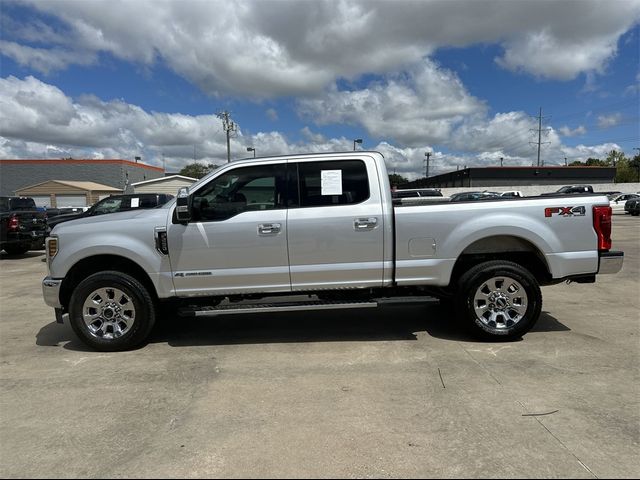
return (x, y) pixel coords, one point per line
(503, 247)
(98, 263)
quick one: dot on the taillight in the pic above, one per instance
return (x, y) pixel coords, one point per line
(14, 223)
(602, 226)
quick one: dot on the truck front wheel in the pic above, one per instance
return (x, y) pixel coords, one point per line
(499, 300)
(111, 311)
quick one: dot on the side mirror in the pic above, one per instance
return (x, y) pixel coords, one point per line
(183, 205)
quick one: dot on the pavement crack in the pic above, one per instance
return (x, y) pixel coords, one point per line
(480, 365)
(560, 442)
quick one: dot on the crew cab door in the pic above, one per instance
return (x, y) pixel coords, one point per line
(335, 228)
(236, 241)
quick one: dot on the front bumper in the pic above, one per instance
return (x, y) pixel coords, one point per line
(51, 291)
(610, 262)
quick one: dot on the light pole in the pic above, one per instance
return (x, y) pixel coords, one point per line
(501, 160)
(428, 155)
(357, 140)
(251, 149)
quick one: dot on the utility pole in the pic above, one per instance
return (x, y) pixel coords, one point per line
(540, 142)
(164, 164)
(230, 127)
(428, 155)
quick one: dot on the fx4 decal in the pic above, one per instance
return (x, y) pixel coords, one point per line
(565, 211)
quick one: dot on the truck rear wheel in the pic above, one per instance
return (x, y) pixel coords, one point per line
(499, 300)
(111, 311)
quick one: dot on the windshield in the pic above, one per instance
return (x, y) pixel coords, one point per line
(108, 205)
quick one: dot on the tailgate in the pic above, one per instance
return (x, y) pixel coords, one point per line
(32, 221)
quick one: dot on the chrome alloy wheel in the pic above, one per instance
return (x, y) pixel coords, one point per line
(500, 302)
(108, 313)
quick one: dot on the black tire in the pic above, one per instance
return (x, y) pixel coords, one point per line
(135, 298)
(16, 249)
(512, 314)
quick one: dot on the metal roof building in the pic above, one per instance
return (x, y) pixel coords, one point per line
(117, 173)
(515, 176)
(62, 193)
(168, 185)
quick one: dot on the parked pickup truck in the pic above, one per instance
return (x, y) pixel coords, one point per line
(321, 227)
(22, 225)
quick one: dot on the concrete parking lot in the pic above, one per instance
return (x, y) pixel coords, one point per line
(394, 392)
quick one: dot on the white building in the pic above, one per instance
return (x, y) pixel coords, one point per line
(163, 185)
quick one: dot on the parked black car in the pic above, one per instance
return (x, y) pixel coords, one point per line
(115, 203)
(633, 206)
(22, 225)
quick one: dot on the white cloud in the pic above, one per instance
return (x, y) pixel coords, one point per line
(420, 107)
(38, 120)
(266, 49)
(45, 60)
(546, 54)
(608, 121)
(272, 114)
(565, 131)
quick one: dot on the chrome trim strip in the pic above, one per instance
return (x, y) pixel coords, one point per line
(288, 308)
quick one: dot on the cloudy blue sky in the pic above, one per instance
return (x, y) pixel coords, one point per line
(463, 79)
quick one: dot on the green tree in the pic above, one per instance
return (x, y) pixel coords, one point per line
(397, 180)
(596, 162)
(626, 170)
(197, 170)
(614, 157)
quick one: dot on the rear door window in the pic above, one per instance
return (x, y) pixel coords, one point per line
(323, 184)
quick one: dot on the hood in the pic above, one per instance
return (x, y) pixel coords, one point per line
(114, 221)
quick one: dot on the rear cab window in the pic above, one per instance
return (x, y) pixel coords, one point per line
(330, 183)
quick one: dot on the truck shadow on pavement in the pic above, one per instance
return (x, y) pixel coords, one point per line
(356, 325)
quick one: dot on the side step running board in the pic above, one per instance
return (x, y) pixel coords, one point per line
(229, 309)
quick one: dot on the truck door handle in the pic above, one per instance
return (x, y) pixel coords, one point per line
(365, 223)
(269, 228)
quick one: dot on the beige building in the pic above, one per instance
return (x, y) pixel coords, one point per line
(64, 193)
(168, 185)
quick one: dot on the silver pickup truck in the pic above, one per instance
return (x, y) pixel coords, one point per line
(305, 232)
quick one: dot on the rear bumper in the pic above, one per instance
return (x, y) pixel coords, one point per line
(610, 262)
(22, 238)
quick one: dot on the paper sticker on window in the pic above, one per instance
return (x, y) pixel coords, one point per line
(135, 202)
(331, 182)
